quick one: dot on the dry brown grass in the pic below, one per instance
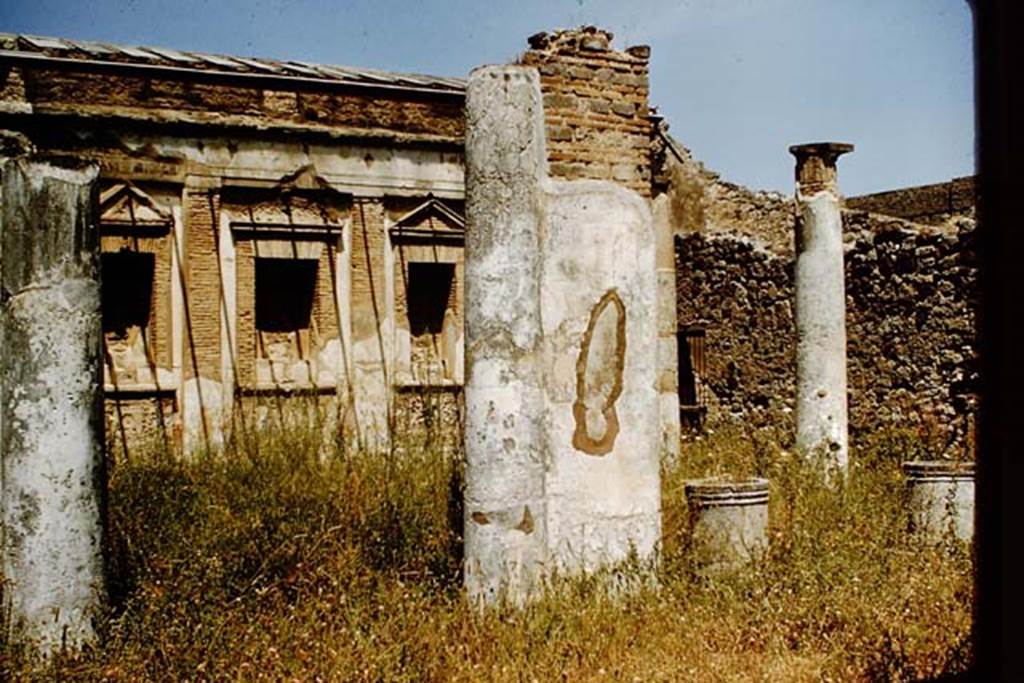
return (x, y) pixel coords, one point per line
(286, 566)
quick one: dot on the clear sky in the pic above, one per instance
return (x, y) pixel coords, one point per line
(738, 80)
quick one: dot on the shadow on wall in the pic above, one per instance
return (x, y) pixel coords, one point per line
(263, 315)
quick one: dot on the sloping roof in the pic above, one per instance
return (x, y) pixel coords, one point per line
(37, 48)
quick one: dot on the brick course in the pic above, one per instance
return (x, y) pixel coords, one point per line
(183, 99)
(595, 107)
(203, 299)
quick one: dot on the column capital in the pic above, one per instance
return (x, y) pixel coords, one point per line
(816, 165)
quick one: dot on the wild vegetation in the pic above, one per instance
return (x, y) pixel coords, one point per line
(282, 563)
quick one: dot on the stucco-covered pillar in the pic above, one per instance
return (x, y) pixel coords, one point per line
(53, 476)
(504, 441)
(668, 352)
(820, 307)
(562, 431)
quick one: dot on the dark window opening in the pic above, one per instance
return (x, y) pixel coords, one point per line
(285, 290)
(127, 291)
(428, 291)
(692, 395)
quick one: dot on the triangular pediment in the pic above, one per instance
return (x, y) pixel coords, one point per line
(431, 217)
(125, 204)
(304, 178)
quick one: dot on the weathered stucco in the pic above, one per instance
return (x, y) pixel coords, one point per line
(600, 349)
(562, 431)
(53, 476)
(505, 441)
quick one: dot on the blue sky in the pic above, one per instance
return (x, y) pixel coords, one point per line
(738, 80)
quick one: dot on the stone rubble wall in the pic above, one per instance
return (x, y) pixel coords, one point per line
(910, 324)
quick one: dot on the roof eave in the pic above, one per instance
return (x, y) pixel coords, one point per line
(182, 72)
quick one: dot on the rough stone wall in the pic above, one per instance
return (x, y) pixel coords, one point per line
(595, 106)
(931, 204)
(701, 202)
(910, 307)
(432, 415)
(133, 423)
(743, 293)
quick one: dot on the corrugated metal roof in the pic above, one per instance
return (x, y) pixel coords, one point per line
(62, 48)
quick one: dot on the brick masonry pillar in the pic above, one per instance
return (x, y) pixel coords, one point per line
(598, 126)
(562, 429)
(596, 111)
(202, 399)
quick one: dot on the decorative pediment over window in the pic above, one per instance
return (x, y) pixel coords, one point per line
(125, 206)
(432, 220)
(293, 219)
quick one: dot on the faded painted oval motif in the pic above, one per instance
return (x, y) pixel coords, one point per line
(599, 377)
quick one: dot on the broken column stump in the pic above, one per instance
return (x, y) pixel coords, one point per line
(940, 499)
(728, 522)
(820, 308)
(51, 406)
(562, 413)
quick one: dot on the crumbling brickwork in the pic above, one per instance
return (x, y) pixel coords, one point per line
(595, 106)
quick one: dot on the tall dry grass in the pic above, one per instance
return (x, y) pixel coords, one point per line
(278, 563)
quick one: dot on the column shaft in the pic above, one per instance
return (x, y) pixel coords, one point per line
(53, 476)
(820, 308)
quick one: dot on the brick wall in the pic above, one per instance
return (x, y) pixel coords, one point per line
(595, 106)
(202, 312)
(161, 302)
(245, 313)
(367, 275)
(193, 100)
(325, 307)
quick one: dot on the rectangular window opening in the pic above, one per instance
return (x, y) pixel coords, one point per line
(126, 296)
(285, 290)
(428, 292)
(691, 359)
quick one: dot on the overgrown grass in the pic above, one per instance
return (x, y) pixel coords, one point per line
(289, 566)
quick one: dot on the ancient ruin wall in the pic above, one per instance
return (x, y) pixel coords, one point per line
(701, 202)
(931, 204)
(595, 106)
(71, 82)
(910, 325)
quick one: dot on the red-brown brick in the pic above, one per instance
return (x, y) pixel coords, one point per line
(595, 107)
